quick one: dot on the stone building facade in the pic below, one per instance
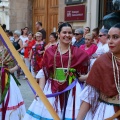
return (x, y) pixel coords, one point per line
(91, 13)
(4, 13)
(19, 13)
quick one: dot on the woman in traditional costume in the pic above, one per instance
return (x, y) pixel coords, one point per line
(62, 65)
(101, 96)
(11, 102)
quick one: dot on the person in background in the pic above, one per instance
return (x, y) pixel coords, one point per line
(40, 29)
(11, 36)
(7, 31)
(36, 54)
(27, 48)
(24, 37)
(17, 43)
(79, 37)
(73, 38)
(95, 33)
(103, 37)
(103, 48)
(86, 30)
(52, 40)
(4, 27)
(89, 47)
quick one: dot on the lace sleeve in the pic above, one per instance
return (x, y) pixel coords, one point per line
(90, 95)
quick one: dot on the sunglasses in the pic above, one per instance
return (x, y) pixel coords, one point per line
(101, 35)
(76, 34)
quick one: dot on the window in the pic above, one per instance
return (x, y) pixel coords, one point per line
(105, 7)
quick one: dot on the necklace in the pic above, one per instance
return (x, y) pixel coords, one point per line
(116, 57)
(117, 79)
(61, 55)
(69, 62)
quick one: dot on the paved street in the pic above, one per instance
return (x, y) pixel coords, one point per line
(26, 92)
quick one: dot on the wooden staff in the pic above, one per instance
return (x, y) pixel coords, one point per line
(29, 75)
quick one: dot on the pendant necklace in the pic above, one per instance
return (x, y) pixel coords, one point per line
(116, 57)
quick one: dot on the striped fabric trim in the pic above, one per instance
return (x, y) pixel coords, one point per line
(38, 117)
(13, 107)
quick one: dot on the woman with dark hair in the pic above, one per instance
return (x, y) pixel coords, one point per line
(24, 37)
(101, 97)
(61, 67)
(24, 31)
(95, 33)
(10, 34)
(4, 27)
(86, 30)
(52, 40)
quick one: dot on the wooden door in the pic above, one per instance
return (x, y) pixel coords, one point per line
(52, 15)
(46, 11)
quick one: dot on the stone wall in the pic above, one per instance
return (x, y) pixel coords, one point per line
(29, 14)
(61, 10)
(20, 14)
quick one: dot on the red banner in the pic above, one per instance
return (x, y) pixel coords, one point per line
(75, 13)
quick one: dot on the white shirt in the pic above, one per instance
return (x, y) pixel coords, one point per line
(102, 49)
(73, 40)
(23, 41)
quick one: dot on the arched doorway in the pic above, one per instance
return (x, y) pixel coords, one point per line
(46, 11)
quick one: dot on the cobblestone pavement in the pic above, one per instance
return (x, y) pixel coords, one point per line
(26, 92)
